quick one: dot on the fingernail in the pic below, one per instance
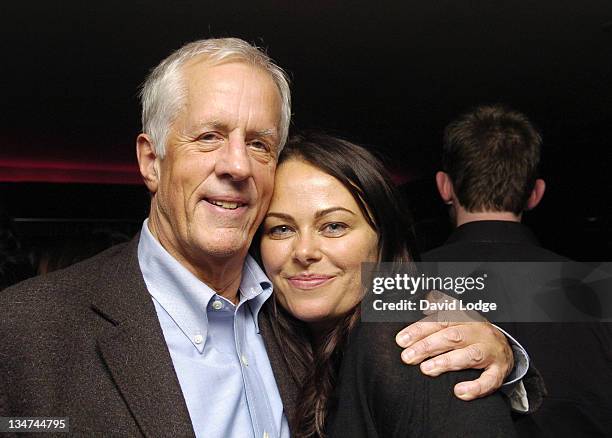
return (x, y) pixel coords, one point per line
(462, 390)
(404, 340)
(427, 366)
(408, 354)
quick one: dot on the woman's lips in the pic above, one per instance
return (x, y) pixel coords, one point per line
(309, 281)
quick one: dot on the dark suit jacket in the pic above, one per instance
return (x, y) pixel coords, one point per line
(86, 343)
(575, 359)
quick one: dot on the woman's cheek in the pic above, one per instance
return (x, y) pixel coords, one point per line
(275, 254)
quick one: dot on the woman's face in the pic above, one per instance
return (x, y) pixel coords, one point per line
(314, 241)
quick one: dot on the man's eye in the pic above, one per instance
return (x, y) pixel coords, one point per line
(209, 136)
(259, 145)
(280, 232)
(334, 229)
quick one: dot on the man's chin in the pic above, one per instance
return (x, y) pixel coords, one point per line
(225, 245)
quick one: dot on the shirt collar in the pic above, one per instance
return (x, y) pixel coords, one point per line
(185, 297)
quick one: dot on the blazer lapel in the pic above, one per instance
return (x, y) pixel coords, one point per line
(134, 349)
(287, 387)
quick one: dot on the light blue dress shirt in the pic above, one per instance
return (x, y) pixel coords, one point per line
(216, 348)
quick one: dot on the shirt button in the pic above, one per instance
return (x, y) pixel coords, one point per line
(244, 360)
(198, 339)
(217, 305)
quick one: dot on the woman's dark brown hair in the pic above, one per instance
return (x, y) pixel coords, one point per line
(313, 363)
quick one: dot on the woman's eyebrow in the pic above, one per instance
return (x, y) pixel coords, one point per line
(321, 213)
(284, 216)
(318, 214)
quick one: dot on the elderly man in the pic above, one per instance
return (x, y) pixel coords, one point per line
(161, 336)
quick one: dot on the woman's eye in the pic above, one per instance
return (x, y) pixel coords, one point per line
(280, 232)
(334, 229)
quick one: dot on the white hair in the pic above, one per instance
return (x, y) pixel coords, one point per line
(163, 92)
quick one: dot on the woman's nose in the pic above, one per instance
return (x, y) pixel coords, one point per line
(307, 250)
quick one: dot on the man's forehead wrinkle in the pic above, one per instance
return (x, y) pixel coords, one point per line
(264, 80)
(246, 113)
(245, 104)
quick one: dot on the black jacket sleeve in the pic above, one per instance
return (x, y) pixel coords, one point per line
(379, 396)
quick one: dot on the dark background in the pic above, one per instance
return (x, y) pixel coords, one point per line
(389, 75)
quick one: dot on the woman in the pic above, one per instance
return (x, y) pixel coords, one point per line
(334, 208)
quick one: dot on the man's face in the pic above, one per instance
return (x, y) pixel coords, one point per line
(216, 180)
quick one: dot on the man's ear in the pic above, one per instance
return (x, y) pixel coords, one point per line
(147, 162)
(445, 187)
(536, 194)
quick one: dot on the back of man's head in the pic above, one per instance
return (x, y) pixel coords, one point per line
(491, 155)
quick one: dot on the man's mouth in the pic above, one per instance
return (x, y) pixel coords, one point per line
(228, 205)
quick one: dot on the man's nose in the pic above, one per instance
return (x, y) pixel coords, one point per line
(234, 160)
(307, 249)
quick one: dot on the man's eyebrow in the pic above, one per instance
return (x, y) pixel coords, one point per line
(322, 213)
(210, 124)
(266, 133)
(216, 124)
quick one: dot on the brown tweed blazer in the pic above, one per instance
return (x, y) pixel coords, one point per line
(85, 343)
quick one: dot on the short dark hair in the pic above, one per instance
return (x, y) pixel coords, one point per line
(491, 154)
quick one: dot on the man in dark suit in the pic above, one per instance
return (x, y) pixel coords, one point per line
(163, 336)
(490, 162)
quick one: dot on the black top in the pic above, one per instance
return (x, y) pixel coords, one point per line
(575, 359)
(379, 396)
(492, 241)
